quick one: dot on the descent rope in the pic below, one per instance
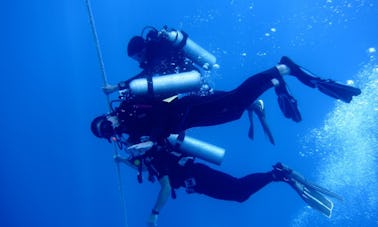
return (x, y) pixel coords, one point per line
(105, 82)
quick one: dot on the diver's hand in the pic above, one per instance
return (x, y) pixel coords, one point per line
(152, 221)
(141, 147)
(108, 89)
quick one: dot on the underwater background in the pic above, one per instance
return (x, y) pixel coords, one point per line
(54, 172)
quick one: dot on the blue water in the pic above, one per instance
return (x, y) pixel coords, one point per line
(53, 172)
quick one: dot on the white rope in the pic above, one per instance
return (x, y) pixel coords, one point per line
(105, 82)
(98, 49)
(94, 32)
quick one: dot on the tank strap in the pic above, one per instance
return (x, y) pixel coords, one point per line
(181, 125)
(183, 41)
(180, 139)
(181, 136)
(150, 87)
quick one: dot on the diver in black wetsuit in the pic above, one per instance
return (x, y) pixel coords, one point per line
(158, 119)
(174, 170)
(161, 53)
(183, 171)
(153, 118)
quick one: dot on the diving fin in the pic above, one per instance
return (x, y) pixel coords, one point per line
(286, 102)
(338, 91)
(326, 86)
(313, 198)
(314, 195)
(289, 107)
(258, 108)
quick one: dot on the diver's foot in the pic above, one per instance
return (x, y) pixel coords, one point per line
(299, 72)
(281, 172)
(287, 103)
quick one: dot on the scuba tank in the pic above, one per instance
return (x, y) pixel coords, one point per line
(197, 148)
(193, 51)
(167, 84)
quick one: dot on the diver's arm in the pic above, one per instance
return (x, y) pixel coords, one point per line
(108, 89)
(164, 193)
(163, 196)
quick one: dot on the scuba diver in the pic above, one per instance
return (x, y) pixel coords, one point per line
(173, 170)
(166, 52)
(170, 95)
(167, 97)
(173, 65)
(159, 118)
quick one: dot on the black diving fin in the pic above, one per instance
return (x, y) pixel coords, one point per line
(287, 103)
(336, 90)
(258, 108)
(289, 107)
(326, 86)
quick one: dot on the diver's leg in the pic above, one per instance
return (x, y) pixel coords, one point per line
(223, 186)
(254, 86)
(253, 183)
(223, 107)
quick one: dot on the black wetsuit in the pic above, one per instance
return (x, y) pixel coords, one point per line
(158, 119)
(200, 178)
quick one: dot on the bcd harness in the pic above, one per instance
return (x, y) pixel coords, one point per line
(143, 161)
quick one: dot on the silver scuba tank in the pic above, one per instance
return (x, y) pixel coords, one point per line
(197, 148)
(193, 51)
(167, 84)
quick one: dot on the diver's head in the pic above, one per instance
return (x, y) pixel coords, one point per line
(104, 126)
(136, 48)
